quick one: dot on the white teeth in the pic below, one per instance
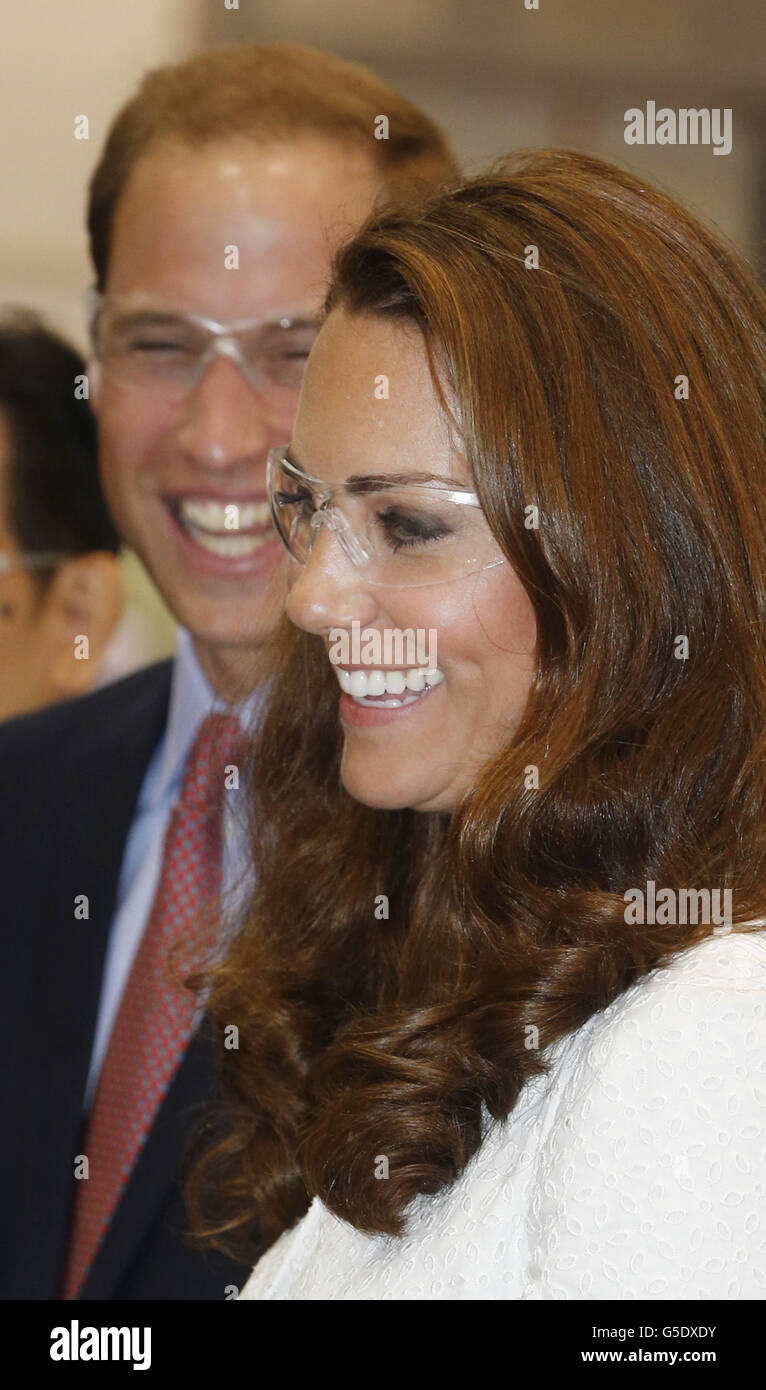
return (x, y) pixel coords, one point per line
(209, 524)
(228, 546)
(357, 683)
(226, 517)
(366, 685)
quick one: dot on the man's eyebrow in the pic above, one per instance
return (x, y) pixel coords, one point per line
(150, 314)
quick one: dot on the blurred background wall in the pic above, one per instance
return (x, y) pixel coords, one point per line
(497, 75)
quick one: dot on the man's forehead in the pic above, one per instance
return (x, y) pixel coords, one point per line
(306, 181)
(205, 229)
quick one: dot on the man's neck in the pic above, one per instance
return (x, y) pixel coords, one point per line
(231, 671)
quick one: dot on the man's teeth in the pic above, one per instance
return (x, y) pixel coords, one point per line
(224, 516)
(370, 685)
(218, 526)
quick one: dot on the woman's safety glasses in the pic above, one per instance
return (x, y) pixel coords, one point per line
(400, 530)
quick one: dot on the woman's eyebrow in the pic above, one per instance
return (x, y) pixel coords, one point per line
(360, 483)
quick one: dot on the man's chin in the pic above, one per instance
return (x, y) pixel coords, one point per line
(233, 612)
(218, 634)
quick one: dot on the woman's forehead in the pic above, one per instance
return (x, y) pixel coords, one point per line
(369, 408)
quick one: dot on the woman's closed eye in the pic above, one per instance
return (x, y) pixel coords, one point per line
(403, 530)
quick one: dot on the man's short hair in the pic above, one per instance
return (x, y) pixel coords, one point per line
(54, 500)
(266, 92)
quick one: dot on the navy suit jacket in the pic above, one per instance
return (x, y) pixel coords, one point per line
(70, 777)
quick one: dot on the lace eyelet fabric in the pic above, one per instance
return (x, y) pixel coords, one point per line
(634, 1169)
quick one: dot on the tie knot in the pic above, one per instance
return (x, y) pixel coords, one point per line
(219, 745)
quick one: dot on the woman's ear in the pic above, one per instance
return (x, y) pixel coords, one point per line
(82, 608)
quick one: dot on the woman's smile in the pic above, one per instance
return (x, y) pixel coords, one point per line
(373, 698)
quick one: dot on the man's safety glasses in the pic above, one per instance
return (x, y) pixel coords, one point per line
(149, 344)
(401, 531)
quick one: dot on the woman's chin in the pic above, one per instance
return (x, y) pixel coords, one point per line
(373, 782)
(382, 793)
(379, 796)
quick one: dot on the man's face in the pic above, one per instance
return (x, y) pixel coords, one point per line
(174, 458)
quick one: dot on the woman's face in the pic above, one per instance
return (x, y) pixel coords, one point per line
(401, 751)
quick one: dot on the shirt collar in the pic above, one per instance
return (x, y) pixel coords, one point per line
(191, 699)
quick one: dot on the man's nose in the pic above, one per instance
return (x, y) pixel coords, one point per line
(225, 420)
(329, 590)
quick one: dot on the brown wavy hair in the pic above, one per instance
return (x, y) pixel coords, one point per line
(361, 1037)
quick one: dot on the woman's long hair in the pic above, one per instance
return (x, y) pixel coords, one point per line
(569, 307)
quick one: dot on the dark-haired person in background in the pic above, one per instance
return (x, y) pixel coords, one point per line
(222, 190)
(59, 573)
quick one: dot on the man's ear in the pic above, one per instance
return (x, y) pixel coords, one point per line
(82, 608)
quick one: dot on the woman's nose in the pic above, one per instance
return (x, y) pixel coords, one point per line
(329, 590)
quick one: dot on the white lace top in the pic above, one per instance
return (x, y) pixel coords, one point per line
(635, 1169)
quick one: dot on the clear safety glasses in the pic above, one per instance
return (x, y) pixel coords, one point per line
(149, 344)
(401, 531)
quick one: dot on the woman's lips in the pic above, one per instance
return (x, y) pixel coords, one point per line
(374, 713)
(374, 696)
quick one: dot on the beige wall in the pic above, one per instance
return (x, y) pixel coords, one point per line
(501, 77)
(497, 75)
(60, 59)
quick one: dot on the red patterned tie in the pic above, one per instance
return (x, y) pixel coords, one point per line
(157, 1013)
